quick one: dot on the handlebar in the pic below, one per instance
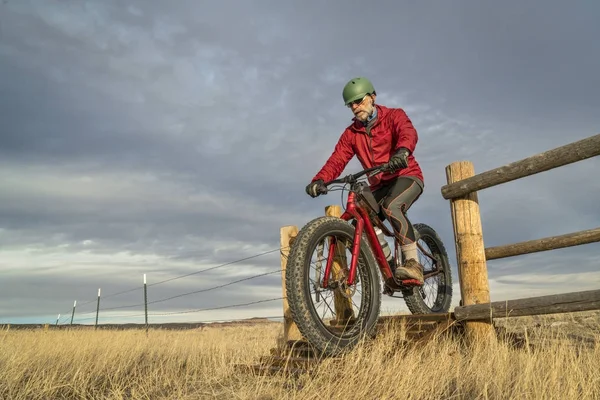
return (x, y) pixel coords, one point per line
(354, 177)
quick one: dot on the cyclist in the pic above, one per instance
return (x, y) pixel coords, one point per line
(378, 135)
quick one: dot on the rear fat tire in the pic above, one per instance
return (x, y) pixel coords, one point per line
(412, 296)
(298, 287)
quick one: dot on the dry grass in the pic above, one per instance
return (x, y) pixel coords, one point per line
(199, 364)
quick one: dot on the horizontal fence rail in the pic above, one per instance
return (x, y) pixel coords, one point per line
(549, 243)
(567, 154)
(551, 304)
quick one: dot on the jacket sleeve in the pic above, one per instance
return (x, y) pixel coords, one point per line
(405, 133)
(341, 156)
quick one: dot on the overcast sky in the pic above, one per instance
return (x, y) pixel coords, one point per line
(164, 139)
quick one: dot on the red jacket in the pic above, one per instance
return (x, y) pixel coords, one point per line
(392, 129)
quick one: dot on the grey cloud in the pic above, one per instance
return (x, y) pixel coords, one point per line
(197, 127)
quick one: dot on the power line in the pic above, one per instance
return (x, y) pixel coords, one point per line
(215, 267)
(192, 311)
(217, 287)
(280, 249)
(171, 279)
(213, 320)
(216, 308)
(190, 293)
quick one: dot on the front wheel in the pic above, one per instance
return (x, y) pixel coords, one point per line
(332, 319)
(435, 295)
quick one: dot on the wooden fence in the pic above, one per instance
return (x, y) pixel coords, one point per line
(461, 189)
(476, 311)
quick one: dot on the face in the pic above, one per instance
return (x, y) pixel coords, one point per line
(362, 109)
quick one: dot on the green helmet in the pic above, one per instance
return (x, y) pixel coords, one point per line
(356, 89)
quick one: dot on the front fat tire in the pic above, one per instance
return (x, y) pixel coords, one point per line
(298, 289)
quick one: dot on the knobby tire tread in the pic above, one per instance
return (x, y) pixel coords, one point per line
(412, 297)
(297, 294)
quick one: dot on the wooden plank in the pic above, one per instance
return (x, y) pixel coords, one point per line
(551, 304)
(415, 318)
(418, 327)
(567, 154)
(290, 361)
(294, 348)
(260, 369)
(440, 329)
(549, 243)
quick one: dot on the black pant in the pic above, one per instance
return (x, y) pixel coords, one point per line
(396, 197)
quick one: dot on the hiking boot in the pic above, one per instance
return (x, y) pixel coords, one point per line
(411, 270)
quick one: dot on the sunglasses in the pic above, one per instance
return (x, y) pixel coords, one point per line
(357, 101)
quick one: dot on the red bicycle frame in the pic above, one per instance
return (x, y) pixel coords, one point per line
(363, 222)
(357, 211)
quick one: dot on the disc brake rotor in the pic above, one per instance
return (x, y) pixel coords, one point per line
(342, 289)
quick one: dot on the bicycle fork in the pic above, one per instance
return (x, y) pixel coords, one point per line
(377, 250)
(355, 254)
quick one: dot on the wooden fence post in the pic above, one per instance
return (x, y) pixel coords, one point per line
(470, 251)
(290, 329)
(342, 305)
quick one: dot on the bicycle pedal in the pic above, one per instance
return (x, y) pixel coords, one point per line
(411, 282)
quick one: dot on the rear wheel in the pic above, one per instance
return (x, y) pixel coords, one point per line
(332, 319)
(435, 295)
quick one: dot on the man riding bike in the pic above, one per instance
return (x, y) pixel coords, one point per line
(379, 135)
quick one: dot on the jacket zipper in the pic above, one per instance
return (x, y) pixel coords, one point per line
(368, 129)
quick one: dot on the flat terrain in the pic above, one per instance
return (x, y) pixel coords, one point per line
(558, 359)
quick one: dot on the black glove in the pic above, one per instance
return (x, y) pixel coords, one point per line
(316, 188)
(398, 160)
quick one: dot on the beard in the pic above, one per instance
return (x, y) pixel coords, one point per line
(362, 115)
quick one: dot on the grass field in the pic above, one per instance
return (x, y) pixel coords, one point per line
(200, 364)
